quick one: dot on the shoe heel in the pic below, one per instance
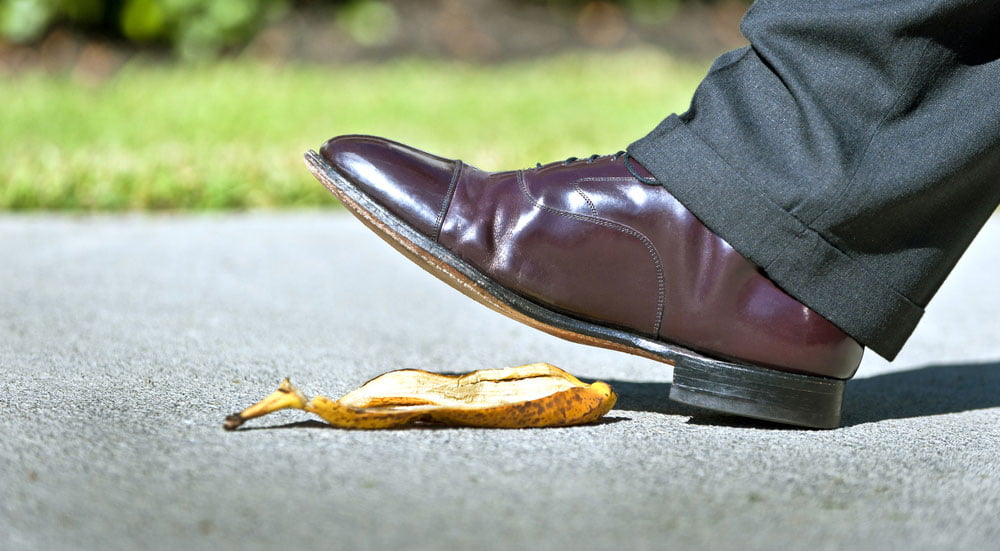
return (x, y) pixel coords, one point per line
(804, 400)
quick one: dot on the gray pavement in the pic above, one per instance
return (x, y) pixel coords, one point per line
(124, 341)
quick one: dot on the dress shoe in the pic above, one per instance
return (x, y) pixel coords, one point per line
(595, 251)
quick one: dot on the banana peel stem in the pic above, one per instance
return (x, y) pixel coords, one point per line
(286, 397)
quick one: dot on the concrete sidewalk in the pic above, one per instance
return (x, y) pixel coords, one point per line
(124, 342)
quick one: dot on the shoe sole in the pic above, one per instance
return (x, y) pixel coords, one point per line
(739, 389)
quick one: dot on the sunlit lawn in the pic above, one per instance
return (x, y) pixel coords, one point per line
(231, 135)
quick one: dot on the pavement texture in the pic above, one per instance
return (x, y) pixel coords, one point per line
(125, 341)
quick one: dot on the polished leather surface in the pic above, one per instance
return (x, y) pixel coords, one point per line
(412, 183)
(589, 239)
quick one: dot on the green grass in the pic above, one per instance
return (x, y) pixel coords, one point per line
(232, 135)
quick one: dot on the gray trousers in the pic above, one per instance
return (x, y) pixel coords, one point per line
(852, 151)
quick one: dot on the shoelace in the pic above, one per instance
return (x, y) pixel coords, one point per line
(625, 160)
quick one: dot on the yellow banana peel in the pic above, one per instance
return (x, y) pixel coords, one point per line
(534, 395)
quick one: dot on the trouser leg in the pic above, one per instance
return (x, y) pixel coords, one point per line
(852, 151)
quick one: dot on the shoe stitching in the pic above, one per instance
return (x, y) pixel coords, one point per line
(593, 208)
(660, 300)
(447, 199)
(605, 179)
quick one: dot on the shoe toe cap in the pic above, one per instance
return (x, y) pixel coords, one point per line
(410, 183)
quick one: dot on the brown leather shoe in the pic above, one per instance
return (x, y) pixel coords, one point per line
(594, 251)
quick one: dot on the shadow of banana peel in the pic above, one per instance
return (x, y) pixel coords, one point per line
(314, 424)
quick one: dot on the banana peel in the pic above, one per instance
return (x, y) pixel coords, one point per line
(533, 395)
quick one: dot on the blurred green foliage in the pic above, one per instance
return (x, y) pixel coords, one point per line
(209, 136)
(369, 22)
(193, 28)
(204, 28)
